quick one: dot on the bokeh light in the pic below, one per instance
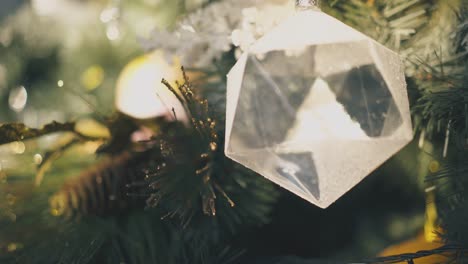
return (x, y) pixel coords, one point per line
(37, 159)
(18, 99)
(92, 77)
(140, 92)
(17, 147)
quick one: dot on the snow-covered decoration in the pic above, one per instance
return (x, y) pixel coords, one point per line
(208, 32)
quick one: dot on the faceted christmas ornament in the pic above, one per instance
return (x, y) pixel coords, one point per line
(315, 106)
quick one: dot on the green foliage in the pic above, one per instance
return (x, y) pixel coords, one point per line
(442, 111)
(197, 198)
(138, 237)
(190, 177)
(451, 182)
(393, 23)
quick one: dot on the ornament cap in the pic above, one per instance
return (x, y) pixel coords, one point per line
(307, 4)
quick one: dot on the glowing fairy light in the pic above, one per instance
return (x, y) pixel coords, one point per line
(12, 247)
(18, 99)
(113, 32)
(92, 77)
(111, 18)
(109, 14)
(434, 166)
(60, 83)
(37, 159)
(57, 205)
(92, 128)
(17, 147)
(422, 139)
(431, 226)
(140, 92)
(46, 7)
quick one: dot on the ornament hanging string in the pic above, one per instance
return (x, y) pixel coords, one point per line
(307, 4)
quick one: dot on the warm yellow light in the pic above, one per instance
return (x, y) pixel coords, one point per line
(17, 147)
(92, 128)
(430, 226)
(434, 166)
(92, 77)
(14, 246)
(57, 204)
(140, 92)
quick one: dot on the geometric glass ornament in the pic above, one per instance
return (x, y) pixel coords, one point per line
(315, 106)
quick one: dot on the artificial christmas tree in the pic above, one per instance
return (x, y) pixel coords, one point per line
(101, 186)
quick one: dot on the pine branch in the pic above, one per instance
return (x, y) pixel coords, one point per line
(131, 236)
(17, 132)
(442, 111)
(190, 176)
(393, 23)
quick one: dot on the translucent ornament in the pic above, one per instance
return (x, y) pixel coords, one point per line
(315, 106)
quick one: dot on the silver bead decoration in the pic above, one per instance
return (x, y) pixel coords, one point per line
(307, 4)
